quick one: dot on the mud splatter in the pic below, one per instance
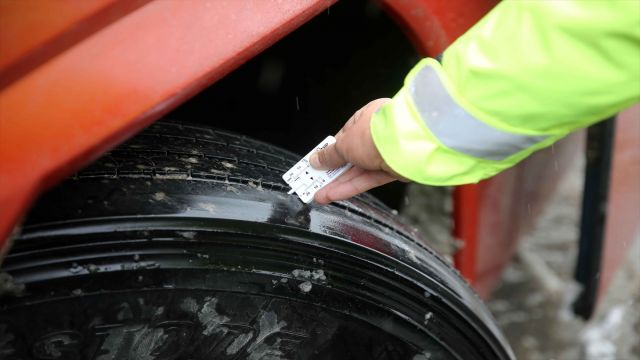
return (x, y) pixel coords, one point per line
(266, 351)
(428, 316)
(305, 287)
(301, 274)
(315, 275)
(268, 324)
(8, 285)
(210, 318)
(218, 172)
(424, 356)
(187, 234)
(228, 165)
(189, 304)
(75, 268)
(318, 275)
(255, 186)
(211, 208)
(191, 160)
(240, 341)
(148, 344)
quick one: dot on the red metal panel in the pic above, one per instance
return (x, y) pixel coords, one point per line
(34, 31)
(466, 225)
(434, 24)
(74, 106)
(623, 208)
(27, 25)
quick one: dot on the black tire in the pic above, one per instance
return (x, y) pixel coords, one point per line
(183, 244)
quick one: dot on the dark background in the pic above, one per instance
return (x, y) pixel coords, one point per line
(308, 84)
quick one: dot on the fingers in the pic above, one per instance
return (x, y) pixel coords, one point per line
(327, 158)
(341, 190)
(353, 143)
(349, 174)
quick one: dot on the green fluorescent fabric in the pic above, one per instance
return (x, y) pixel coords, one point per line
(444, 118)
(526, 75)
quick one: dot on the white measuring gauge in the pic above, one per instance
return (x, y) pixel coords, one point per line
(305, 181)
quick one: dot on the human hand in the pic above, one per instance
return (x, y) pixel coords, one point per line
(354, 145)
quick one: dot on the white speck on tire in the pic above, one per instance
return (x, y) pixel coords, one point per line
(305, 287)
(424, 356)
(318, 275)
(301, 274)
(211, 208)
(187, 234)
(228, 165)
(427, 317)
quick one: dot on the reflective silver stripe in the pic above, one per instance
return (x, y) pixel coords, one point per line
(456, 128)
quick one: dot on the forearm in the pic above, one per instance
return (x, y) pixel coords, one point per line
(523, 77)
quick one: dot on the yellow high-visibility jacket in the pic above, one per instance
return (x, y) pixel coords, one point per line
(526, 75)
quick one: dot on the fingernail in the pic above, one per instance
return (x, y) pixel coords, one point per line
(314, 161)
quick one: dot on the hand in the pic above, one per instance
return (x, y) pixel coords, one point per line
(354, 145)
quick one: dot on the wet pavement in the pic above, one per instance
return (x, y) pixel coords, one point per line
(532, 304)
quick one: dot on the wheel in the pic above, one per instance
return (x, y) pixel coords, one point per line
(182, 243)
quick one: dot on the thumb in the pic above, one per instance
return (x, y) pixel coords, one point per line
(327, 158)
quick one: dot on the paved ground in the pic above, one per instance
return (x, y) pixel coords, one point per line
(532, 304)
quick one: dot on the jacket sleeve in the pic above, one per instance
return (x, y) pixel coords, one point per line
(523, 77)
